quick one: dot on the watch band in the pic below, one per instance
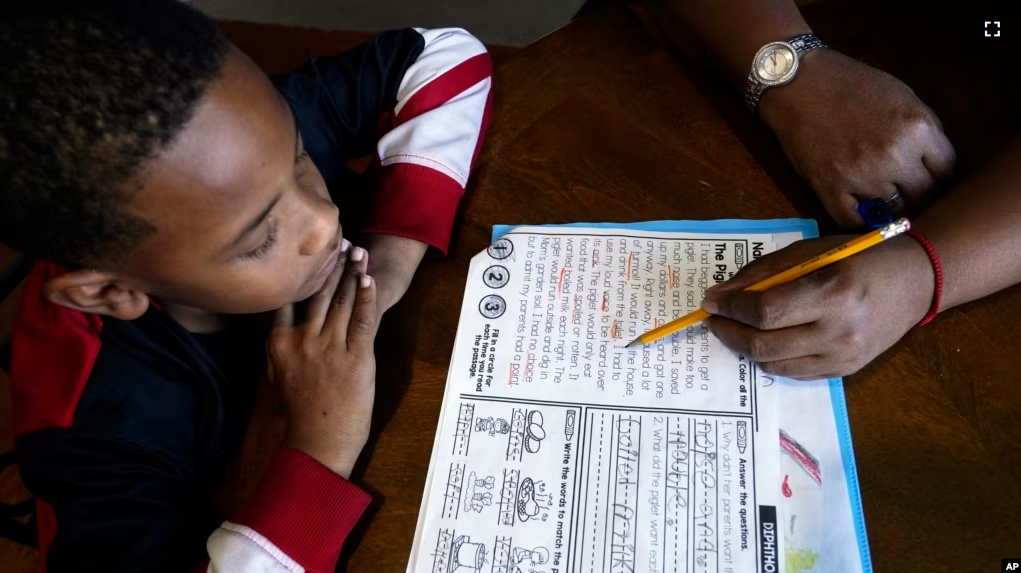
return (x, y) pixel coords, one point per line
(802, 44)
(753, 91)
(805, 43)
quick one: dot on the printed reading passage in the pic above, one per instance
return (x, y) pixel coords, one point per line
(558, 450)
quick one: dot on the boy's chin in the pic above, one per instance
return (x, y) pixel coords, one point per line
(304, 297)
(317, 284)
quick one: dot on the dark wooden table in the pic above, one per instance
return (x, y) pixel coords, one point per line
(598, 122)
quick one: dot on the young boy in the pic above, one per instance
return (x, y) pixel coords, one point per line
(168, 188)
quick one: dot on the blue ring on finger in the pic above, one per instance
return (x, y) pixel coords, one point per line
(876, 212)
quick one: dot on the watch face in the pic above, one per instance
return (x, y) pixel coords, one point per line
(775, 64)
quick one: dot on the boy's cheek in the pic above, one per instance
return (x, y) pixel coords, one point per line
(245, 296)
(258, 297)
(263, 287)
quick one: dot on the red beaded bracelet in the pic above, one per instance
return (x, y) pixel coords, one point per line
(937, 268)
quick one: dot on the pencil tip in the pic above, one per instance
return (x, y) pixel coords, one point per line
(634, 343)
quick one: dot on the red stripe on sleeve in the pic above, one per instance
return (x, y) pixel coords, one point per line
(415, 202)
(304, 509)
(46, 524)
(53, 351)
(485, 126)
(442, 89)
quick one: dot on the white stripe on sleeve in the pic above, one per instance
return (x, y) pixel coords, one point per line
(441, 130)
(235, 548)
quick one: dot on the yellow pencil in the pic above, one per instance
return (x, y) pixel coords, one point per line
(849, 248)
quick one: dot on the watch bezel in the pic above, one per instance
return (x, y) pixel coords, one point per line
(783, 79)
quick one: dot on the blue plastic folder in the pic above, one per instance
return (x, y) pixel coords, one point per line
(808, 229)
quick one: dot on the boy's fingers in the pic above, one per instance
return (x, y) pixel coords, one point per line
(364, 320)
(283, 317)
(339, 315)
(319, 303)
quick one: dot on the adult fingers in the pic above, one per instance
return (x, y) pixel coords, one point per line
(843, 207)
(913, 186)
(767, 345)
(775, 263)
(815, 367)
(939, 156)
(801, 301)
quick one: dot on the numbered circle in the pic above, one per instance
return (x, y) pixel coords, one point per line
(496, 276)
(492, 306)
(501, 249)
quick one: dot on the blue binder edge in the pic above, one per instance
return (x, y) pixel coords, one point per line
(809, 230)
(850, 470)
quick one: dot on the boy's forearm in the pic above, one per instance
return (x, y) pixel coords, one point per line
(393, 261)
(438, 125)
(976, 230)
(726, 34)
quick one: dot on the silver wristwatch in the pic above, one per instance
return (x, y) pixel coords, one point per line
(776, 64)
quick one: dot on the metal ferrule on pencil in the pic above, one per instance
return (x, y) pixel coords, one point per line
(895, 228)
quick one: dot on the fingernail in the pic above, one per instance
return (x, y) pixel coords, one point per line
(357, 254)
(365, 281)
(709, 305)
(345, 245)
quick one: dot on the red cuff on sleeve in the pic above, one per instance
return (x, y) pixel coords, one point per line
(304, 509)
(416, 202)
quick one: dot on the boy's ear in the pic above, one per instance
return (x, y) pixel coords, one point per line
(96, 292)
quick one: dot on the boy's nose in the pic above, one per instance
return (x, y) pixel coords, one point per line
(322, 230)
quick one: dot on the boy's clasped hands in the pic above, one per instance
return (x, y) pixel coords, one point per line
(321, 350)
(325, 366)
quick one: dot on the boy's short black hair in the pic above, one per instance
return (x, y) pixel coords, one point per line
(89, 91)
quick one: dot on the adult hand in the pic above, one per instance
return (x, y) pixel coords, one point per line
(854, 133)
(326, 367)
(831, 322)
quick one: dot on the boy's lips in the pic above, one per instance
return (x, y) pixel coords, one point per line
(331, 261)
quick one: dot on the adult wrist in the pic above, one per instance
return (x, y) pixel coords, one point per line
(752, 40)
(937, 267)
(781, 102)
(918, 278)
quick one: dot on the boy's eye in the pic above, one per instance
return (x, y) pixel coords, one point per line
(264, 248)
(301, 156)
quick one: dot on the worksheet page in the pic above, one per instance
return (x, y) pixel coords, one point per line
(559, 450)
